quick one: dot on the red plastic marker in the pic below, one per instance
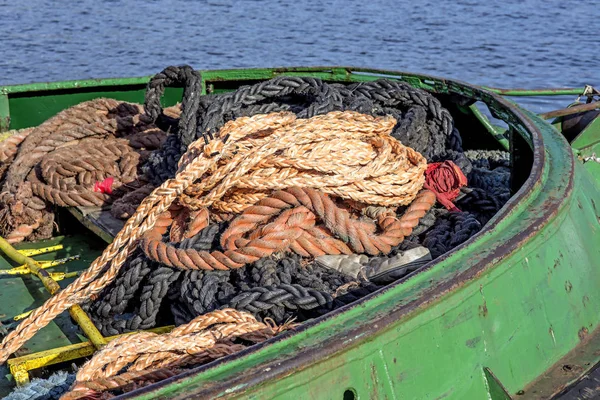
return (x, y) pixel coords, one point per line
(105, 186)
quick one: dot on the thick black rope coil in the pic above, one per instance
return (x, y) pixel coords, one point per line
(280, 302)
(192, 84)
(147, 281)
(306, 97)
(184, 130)
(115, 301)
(244, 289)
(147, 294)
(488, 159)
(423, 123)
(481, 203)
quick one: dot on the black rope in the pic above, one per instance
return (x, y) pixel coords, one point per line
(449, 231)
(163, 163)
(423, 123)
(192, 84)
(280, 302)
(488, 159)
(482, 204)
(205, 291)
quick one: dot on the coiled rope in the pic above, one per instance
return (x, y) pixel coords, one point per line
(207, 337)
(422, 123)
(60, 162)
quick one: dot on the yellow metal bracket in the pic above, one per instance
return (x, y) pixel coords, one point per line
(20, 366)
(41, 250)
(30, 266)
(25, 269)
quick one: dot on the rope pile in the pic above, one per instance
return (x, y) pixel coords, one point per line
(203, 158)
(422, 123)
(242, 191)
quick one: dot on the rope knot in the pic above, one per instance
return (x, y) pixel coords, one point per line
(445, 179)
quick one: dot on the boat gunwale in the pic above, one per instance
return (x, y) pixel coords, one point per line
(328, 347)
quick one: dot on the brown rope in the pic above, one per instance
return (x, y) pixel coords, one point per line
(205, 338)
(131, 380)
(60, 161)
(294, 228)
(125, 382)
(105, 268)
(146, 350)
(349, 155)
(66, 177)
(125, 206)
(10, 146)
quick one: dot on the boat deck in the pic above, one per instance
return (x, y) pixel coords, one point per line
(99, 221)
(22, 293)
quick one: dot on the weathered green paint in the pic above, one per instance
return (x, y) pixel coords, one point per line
(588, 141)
(514, 299)
(565, 373)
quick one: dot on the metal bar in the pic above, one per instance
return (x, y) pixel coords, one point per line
(59, 276)
(571, 110)
(84, 322)
(77, 84)
(20, 366)
(498, 135)
(537, 92)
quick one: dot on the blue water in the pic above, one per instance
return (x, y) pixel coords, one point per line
(515, 43)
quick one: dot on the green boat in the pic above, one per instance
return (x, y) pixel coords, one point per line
(511, 313)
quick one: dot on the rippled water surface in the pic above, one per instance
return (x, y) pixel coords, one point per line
(514, 43)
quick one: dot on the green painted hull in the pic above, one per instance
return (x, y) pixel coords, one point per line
(497, 317)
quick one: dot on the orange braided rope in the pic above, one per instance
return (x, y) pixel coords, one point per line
(382, 180)
(347, 154)
(125, 382)
(132, 380)
(294, 229)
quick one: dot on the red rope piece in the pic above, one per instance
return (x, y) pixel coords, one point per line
(105, 186)
(445, 180)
